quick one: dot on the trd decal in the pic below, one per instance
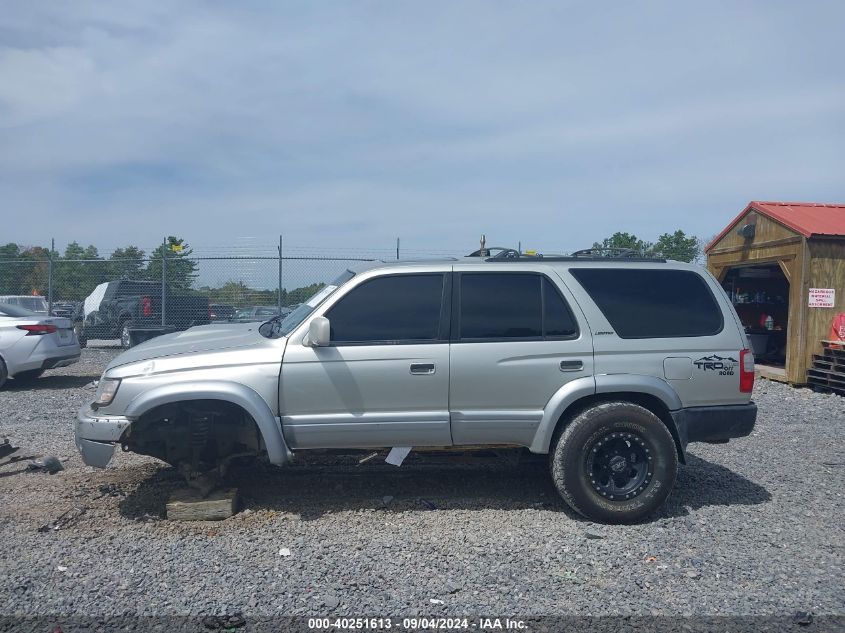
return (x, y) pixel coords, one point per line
(724, 365)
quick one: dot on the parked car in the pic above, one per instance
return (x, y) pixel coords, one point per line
(128, 310)
(65, 308)
(220, 312)
(254, 314)
(33, 303)
(31, 343)
(609, 366)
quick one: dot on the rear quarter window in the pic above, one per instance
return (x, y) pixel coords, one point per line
(650, 303)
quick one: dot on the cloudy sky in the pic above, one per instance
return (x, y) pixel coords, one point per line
(347, 124)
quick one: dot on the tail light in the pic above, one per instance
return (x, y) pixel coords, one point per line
(746, 371)
(147, 306)
(38, 330)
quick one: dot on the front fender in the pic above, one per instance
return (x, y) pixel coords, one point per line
(236, 393)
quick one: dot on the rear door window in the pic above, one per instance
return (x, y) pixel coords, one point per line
(652, 303)
(512, 306)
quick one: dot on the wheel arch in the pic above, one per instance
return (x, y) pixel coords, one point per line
(233, 393)
(651, 393)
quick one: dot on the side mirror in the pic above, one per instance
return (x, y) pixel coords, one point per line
(319, 332)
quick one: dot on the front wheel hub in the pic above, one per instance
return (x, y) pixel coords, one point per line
(619, 465)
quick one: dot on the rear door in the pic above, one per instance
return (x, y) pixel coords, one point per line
(384, 378)
(517, 338)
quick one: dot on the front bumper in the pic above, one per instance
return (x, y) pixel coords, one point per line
(714, 424)
(97, 436)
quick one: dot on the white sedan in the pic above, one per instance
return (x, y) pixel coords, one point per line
(31, 343)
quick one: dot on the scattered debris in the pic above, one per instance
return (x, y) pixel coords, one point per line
(803, 618)
(650, 559)
(61, 568)
(49, 464)
(367, 458)
(594, 535)
(397, 455)
(332, 602)
(452, 587)
(435, 601)
(17, 458)
(693, 574)
(109, 490)
(146, 517)
(428, 504)
(66, 519)
(7, 449)
(284, 552)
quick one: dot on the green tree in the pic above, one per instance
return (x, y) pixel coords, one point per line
(624, 240)
(35, 273)
(298, 295)
(181, 269)
(127, 263)
(677, 246)
(77, 272)
(12, 269)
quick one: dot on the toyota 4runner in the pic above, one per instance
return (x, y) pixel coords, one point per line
(611, 366)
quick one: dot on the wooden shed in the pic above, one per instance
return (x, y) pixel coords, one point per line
(783, 265)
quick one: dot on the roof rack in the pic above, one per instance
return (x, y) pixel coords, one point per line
(507, 254)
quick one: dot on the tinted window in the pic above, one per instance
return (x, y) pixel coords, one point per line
(395, 308)
(557, 318)
(512, 306)
(648, 303)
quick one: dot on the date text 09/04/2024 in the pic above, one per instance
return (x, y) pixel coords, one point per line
(417, 623)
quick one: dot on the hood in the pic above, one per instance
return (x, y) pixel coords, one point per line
(204, 338)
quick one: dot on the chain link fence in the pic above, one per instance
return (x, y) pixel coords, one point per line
(128, 299)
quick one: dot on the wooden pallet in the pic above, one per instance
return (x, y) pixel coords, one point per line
(828, 370)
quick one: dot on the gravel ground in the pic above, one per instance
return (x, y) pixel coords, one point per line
(753, 527)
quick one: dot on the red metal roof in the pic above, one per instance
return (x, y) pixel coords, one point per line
(806, 218)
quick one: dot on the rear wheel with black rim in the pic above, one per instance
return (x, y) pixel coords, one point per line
(615, 462)
(3, 373)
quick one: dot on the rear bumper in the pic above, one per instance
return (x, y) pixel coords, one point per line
(714, 424)
(61, 361)
(96, 437)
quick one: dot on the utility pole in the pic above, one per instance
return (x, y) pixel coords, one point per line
(163, 281)
(280, 274)
(397, 248)
(50, 278)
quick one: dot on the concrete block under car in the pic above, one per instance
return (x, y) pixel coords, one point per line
(190, 505)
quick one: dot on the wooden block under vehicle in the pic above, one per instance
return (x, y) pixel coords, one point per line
(190, 505)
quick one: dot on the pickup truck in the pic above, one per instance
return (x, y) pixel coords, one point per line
(131, 311)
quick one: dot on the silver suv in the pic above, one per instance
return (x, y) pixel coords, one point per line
(610, 366)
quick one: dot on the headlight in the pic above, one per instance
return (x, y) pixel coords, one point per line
(106, 391)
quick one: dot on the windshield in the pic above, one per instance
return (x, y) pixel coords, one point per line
(286, 325)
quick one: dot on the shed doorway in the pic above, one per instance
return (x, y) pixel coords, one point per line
(760, 294)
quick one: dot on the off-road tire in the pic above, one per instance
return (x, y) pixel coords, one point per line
(28, 376)
(616, 422)
(3, 373)
(125, 338)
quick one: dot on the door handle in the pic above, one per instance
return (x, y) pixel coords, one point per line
(422, 368)
(571, 365)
